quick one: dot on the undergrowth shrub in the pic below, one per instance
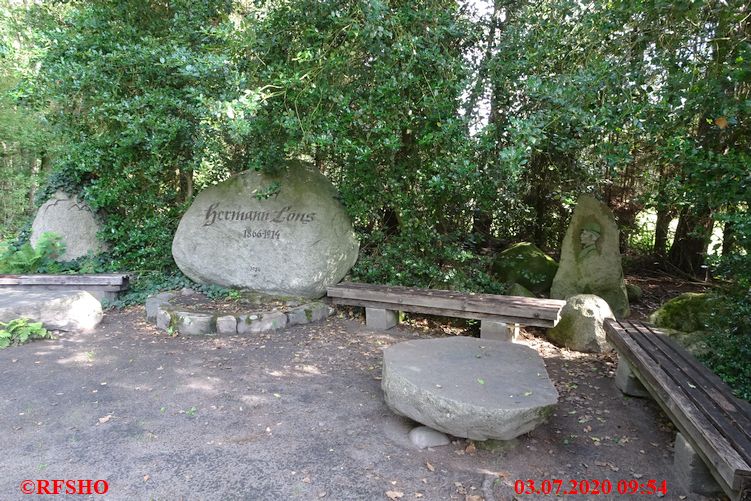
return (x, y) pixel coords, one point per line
(147, 284)
(21, 330)
(729, 341)
(24, 258)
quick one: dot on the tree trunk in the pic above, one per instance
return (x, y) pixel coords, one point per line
(482, 223)
(662, 226)
(185, 185)
(691, 240)
(390, 221)
(728, 238)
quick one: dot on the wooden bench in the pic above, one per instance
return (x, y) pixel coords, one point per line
(712, 423)
(100, 285)
(500, 316)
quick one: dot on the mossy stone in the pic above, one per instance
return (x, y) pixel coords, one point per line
(519, 290)
(525, 264)
(688, 312)
(694, 342)
(634, 293)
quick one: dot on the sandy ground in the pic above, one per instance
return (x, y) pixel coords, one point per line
(295, 414)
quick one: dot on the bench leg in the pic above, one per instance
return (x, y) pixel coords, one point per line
(627, 382)
(499, 331)
(379, 319)
(692, 471)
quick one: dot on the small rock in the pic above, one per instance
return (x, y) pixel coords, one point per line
(581, 325)
(634, 293)
(163, 318)
(226, 324)
(424, 437)
(187, 291)
(154, 302)
(195, 324)
(261, 322)
(312, 312)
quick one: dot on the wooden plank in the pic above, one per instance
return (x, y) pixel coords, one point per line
(714, 448)
(42, 279)
(511, 306)
(62, 287)
(396, 289)
(702, 402)
(727, 412)
(442, 312)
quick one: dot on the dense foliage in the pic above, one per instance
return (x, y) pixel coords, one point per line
(450, 128)
(23, 137)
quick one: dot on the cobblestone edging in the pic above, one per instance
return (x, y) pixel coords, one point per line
(172, 318)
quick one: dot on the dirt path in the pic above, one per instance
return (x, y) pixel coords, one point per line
(296, 414)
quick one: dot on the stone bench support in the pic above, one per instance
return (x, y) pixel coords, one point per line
(627, 382)
(498, 331)
(691, 469)
(380, 319)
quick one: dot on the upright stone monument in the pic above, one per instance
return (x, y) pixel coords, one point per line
(73, 221)
(296, 242)
(590, 257)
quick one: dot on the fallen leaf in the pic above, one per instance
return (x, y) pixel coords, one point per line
(429, 466)
(481, 381)
(471, 448)
(105, 418)
(721, 122)
(146, 478)
(306, 480)
(394, 495)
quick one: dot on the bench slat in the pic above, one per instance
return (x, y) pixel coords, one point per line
(701, 401)
(679, 406)
(430, 310)
(111, 280)
(731, 417)
(397, 289)
(547, 311)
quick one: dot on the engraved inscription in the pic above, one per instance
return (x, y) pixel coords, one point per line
(216, 213)
(266, 234)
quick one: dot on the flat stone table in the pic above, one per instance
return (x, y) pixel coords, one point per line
(467, 387)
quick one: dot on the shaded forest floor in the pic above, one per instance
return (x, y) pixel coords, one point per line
(294, 414)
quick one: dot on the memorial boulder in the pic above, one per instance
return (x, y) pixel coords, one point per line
(296, 242)
(590, 257)
(73, 220)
